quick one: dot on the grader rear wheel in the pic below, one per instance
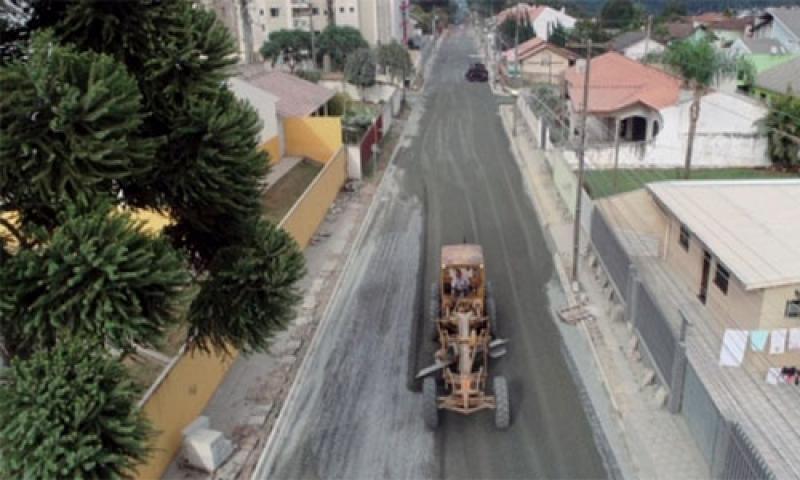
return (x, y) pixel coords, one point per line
(502, 412)
(430, 403)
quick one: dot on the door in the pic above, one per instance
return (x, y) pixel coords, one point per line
(704, 276)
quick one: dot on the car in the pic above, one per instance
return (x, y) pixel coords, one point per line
(477, 73)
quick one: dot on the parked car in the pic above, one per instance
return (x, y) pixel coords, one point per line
(477, 73)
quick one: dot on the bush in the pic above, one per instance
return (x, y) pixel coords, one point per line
(70, 413)
(310, 75)
(337, 106)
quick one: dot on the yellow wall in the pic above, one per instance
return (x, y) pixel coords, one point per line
(191, 383)
(316, 138)
(177, 401)
(307, 214)
(273, 148)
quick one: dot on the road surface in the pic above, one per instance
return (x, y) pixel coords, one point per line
(355, 416)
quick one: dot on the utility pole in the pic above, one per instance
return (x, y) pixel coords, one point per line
(576, 231)
(647, 35)
(616, 151)
(311, 29)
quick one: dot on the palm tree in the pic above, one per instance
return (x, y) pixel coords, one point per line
(700, 65)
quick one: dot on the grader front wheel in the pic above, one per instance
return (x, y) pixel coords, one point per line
(502, 412)
(430, 403)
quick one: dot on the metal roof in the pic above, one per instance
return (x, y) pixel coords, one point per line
(751, 226)
(466, 254)
(789, 17)
(296, 97)
(625, 40)
(781, 77)
(764, 46)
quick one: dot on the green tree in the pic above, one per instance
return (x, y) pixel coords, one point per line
(338, 42)
(700, 64)
(70, 412)
(395, 60)
(559, 35)
(514, 30)
(589, 29)
(782, 126)
(187, 148)
(360, 68)
(292, 46)
(673, 10)
(96, 275)
(251, 291)
(620, 15)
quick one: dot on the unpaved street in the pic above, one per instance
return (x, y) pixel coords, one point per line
(355, 416)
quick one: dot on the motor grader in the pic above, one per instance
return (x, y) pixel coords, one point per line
(462, 312)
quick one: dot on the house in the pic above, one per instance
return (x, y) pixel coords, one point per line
(746, 46)
(636, 45)
(675, 31)
(278, 98)
(780, 24)
(726, 244)
(726, 31)
(779, 79)
(649, 112)
(544, 19)
(710, 276)
(539, 61)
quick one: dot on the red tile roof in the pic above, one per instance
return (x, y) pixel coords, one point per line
(296, 97)
(519, 11)
(535, 45)
(617, 82)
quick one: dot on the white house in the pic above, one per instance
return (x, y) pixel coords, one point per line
(649, 111)
(543, 18)
(781, 24)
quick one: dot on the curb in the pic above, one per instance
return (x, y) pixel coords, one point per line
(280, 422)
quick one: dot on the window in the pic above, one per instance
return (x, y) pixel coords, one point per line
(721, 278)
(274, 12)
(684, 237)
(261, 12)
(793, 308)
(352, 9)
(315, 11)
(341, 9)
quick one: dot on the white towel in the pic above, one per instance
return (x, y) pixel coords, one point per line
(794, 339)
(774, 376)
(777, 341)
(734, 344)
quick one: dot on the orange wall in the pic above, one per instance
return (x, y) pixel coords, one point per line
(189, 385)
(177, 401)
(273, 148)
(307, 214)
(316, 138)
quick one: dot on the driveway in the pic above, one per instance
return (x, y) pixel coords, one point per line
(357, 414)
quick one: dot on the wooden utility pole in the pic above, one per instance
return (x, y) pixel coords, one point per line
(576, 230)
(647, 35)
(616, 151)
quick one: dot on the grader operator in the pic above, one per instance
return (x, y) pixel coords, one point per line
(462, 311)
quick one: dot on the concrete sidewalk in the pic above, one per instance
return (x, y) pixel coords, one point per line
(647, 441)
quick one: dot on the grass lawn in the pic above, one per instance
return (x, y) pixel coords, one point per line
(600, 183)
(280, 196)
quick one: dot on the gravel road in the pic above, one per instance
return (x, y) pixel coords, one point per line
(357, 415)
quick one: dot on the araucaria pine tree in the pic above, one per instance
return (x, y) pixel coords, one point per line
(70, 413)
(112, 106)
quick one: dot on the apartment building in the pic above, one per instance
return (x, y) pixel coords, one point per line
(251, 21)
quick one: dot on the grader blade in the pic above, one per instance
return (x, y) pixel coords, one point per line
(434, 368)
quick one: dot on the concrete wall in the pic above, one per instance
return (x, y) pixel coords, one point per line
(189, 382)
(316, 138)
(347, 13)
(368, 20)
(374, 94)
(175, 400)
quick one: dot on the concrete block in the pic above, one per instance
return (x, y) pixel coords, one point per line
(302, 320)
(206, 449)
(199, 423)
(633, 344)
(660, 396)
(617, 313)
(287, 360)
(285, 347)
(649, 377)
